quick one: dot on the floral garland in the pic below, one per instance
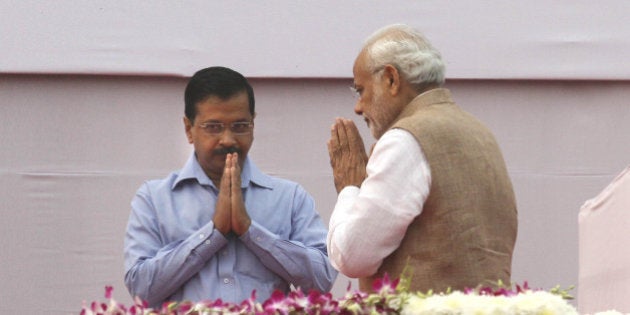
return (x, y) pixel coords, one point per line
(390, 297)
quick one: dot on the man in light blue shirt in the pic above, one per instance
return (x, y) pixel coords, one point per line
(219, 227)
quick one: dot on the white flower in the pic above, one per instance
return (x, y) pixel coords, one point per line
(458, 303)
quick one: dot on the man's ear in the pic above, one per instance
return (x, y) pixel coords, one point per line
(392, 78)
(188, 129)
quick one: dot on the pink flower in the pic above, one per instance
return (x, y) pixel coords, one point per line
(108, 291)
(384, 286)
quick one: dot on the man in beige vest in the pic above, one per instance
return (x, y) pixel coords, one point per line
(434, 196)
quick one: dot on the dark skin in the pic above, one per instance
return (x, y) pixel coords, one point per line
(231, 215)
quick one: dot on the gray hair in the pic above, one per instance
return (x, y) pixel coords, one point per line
(409, 51)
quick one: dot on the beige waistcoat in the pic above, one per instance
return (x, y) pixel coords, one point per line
(466, 232)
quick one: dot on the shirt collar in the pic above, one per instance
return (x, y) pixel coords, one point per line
(249, 173)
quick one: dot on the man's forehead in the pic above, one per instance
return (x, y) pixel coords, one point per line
(358, 62)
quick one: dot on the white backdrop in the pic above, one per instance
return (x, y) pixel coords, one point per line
(91, 100)
(540, 39)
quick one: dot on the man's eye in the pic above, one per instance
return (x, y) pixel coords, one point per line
(357, 91)
(214, 128)
(240, 127)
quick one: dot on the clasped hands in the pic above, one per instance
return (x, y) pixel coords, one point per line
(347, 154)
(230, 213)
(347, 158)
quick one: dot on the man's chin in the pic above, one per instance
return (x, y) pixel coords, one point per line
(375, 133)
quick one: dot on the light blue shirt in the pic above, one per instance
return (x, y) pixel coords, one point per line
(174, 253)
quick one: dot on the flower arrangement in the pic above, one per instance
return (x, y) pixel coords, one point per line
(386, 300)
(389, 297)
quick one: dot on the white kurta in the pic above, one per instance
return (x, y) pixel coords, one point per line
(368, 223)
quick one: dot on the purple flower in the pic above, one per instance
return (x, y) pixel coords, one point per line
(389, 297)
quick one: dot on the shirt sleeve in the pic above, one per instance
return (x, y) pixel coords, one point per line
(154, 271)
(368, 223)
(301, 260)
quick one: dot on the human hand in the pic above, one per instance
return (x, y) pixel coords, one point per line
(347, 154)
(240, 220)
(223, 208)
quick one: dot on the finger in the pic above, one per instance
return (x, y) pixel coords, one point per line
(240, 220)
(225, 178)
(222, 212)
(334, 134)
(330, 148)
(228, 162)
(236, 173)
(355, 142)
(342, 135)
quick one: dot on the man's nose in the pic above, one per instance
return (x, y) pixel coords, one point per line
(358, 109)
(227, 138)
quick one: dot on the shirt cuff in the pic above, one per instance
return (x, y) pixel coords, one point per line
(348, 192)
(258, 236)
(207, 241)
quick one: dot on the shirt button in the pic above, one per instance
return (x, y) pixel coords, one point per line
(226, 280)
(258, 238)
(207, 242)
(201, 236)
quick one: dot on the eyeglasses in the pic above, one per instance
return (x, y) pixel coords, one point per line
(238, 128)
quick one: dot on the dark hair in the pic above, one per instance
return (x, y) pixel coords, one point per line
(215, 81)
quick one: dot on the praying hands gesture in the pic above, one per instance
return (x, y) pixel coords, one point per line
(231, 215)
(347, 154)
